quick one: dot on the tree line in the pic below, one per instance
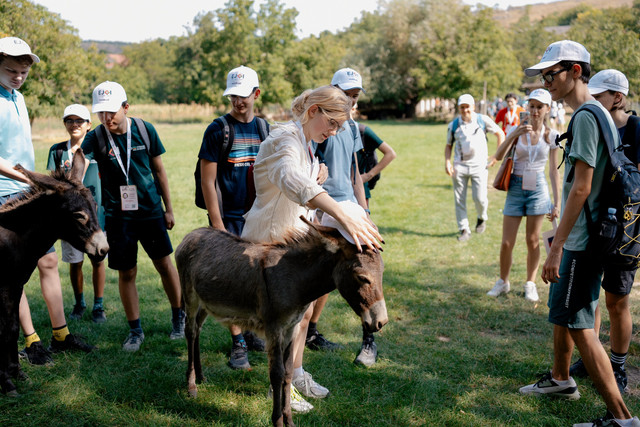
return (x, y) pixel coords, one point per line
(406, 50)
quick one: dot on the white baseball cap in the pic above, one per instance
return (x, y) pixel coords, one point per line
(14, 46)
(241, 81)
(466, 99)
(541, 95)
(354, 210)
(108, 96)
(608, 80)
(347, 79)
(564, 50)
(77, 110)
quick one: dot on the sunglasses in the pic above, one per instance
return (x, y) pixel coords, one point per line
(78, 122)
(549, 76)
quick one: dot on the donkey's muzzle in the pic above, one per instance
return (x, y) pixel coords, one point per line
(97, 247)
(375, 317)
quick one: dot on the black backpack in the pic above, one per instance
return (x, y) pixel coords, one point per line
(369, 159)
(615, 243)
(227, 143)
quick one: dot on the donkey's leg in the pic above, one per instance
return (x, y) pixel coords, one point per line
(276, 375)
(288, 356)
(201, 317)
(191, 332)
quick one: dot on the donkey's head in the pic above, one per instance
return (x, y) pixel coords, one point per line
(358, 277)
(70, 205)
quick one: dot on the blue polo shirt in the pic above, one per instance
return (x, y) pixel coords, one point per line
(15, 138)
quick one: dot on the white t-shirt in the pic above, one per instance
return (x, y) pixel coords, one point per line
(470, 140)
(532, 155)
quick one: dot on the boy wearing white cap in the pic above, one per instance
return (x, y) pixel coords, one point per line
(16, 147)
(610, 88)
(467, 139)
(225, 178)
(134, 187)
(573, 272)
(77, 122)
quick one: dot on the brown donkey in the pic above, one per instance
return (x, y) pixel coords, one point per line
(55, 207)
(268, 287)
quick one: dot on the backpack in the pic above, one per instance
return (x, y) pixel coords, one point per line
(225, 149)
(455, 124)
(616, 242)
(369, 159)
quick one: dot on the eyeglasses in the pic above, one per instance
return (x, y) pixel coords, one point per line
(78, 122)
(335, 126)
(549, 76)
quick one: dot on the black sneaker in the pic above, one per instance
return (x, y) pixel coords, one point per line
(177, 326)
(98, 316)
(238, 358)
(481, 226)
(70, 343)
(368, 353)
(316, 341)
(578, 369)
(77, 312)
(621, 378)
(254, 342)
(36, 354)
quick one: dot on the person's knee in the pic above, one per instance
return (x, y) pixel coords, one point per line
(48, 262)
(617, 305)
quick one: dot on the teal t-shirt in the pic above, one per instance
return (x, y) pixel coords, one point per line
(91, 178)
(140, 172)
(591, 149)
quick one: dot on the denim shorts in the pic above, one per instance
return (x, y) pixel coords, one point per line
(521, 202)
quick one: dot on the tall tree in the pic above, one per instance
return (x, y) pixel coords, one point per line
(66, 73)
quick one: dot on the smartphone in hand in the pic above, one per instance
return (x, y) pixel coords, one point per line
(524, 117)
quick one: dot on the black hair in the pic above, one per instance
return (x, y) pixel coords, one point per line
(585, 66)
(511, 95)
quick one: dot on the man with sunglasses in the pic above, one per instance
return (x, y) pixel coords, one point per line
(467, 139)
(574, 274)
(231, 176)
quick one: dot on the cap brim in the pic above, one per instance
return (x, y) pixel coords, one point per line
(537, 69)
(238, 91)
(105, 108)
(349, 87)
(595, 90)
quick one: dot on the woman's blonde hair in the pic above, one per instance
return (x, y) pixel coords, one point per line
(331, 100)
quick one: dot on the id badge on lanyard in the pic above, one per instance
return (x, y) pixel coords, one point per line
(128, 193)
(529, 177)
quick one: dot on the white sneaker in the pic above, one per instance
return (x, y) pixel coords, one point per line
(547, 385)
(298, 404)
(307, 386)
(530, 292)
(501, 287)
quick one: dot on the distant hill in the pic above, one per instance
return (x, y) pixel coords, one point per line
(105, 46)
(540, 11)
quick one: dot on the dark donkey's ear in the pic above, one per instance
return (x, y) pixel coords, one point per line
(329, 236)
(78, 165)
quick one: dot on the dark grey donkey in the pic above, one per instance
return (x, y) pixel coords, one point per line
(55, 207)
(268, 287)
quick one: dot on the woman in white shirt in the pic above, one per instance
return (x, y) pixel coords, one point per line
(528, 194)
(285, 173)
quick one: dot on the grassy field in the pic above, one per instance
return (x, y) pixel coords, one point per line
(450, 355)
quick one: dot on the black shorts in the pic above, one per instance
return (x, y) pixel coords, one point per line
(618, 282)
(123, 237)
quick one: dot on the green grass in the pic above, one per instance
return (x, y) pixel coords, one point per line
(450, 355)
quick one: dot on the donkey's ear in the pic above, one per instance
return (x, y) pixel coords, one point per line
(38, 180)
(330, 237)
(78, 165)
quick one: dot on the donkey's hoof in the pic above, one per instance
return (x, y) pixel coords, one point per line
(201, 380)
(193, 392)
(13, 393)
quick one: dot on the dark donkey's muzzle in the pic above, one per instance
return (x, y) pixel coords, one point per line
(375, 317)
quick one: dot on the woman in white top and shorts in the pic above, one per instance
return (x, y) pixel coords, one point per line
(528, 194)
(285, 174)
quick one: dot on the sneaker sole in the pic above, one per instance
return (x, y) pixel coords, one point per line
(573, 395)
